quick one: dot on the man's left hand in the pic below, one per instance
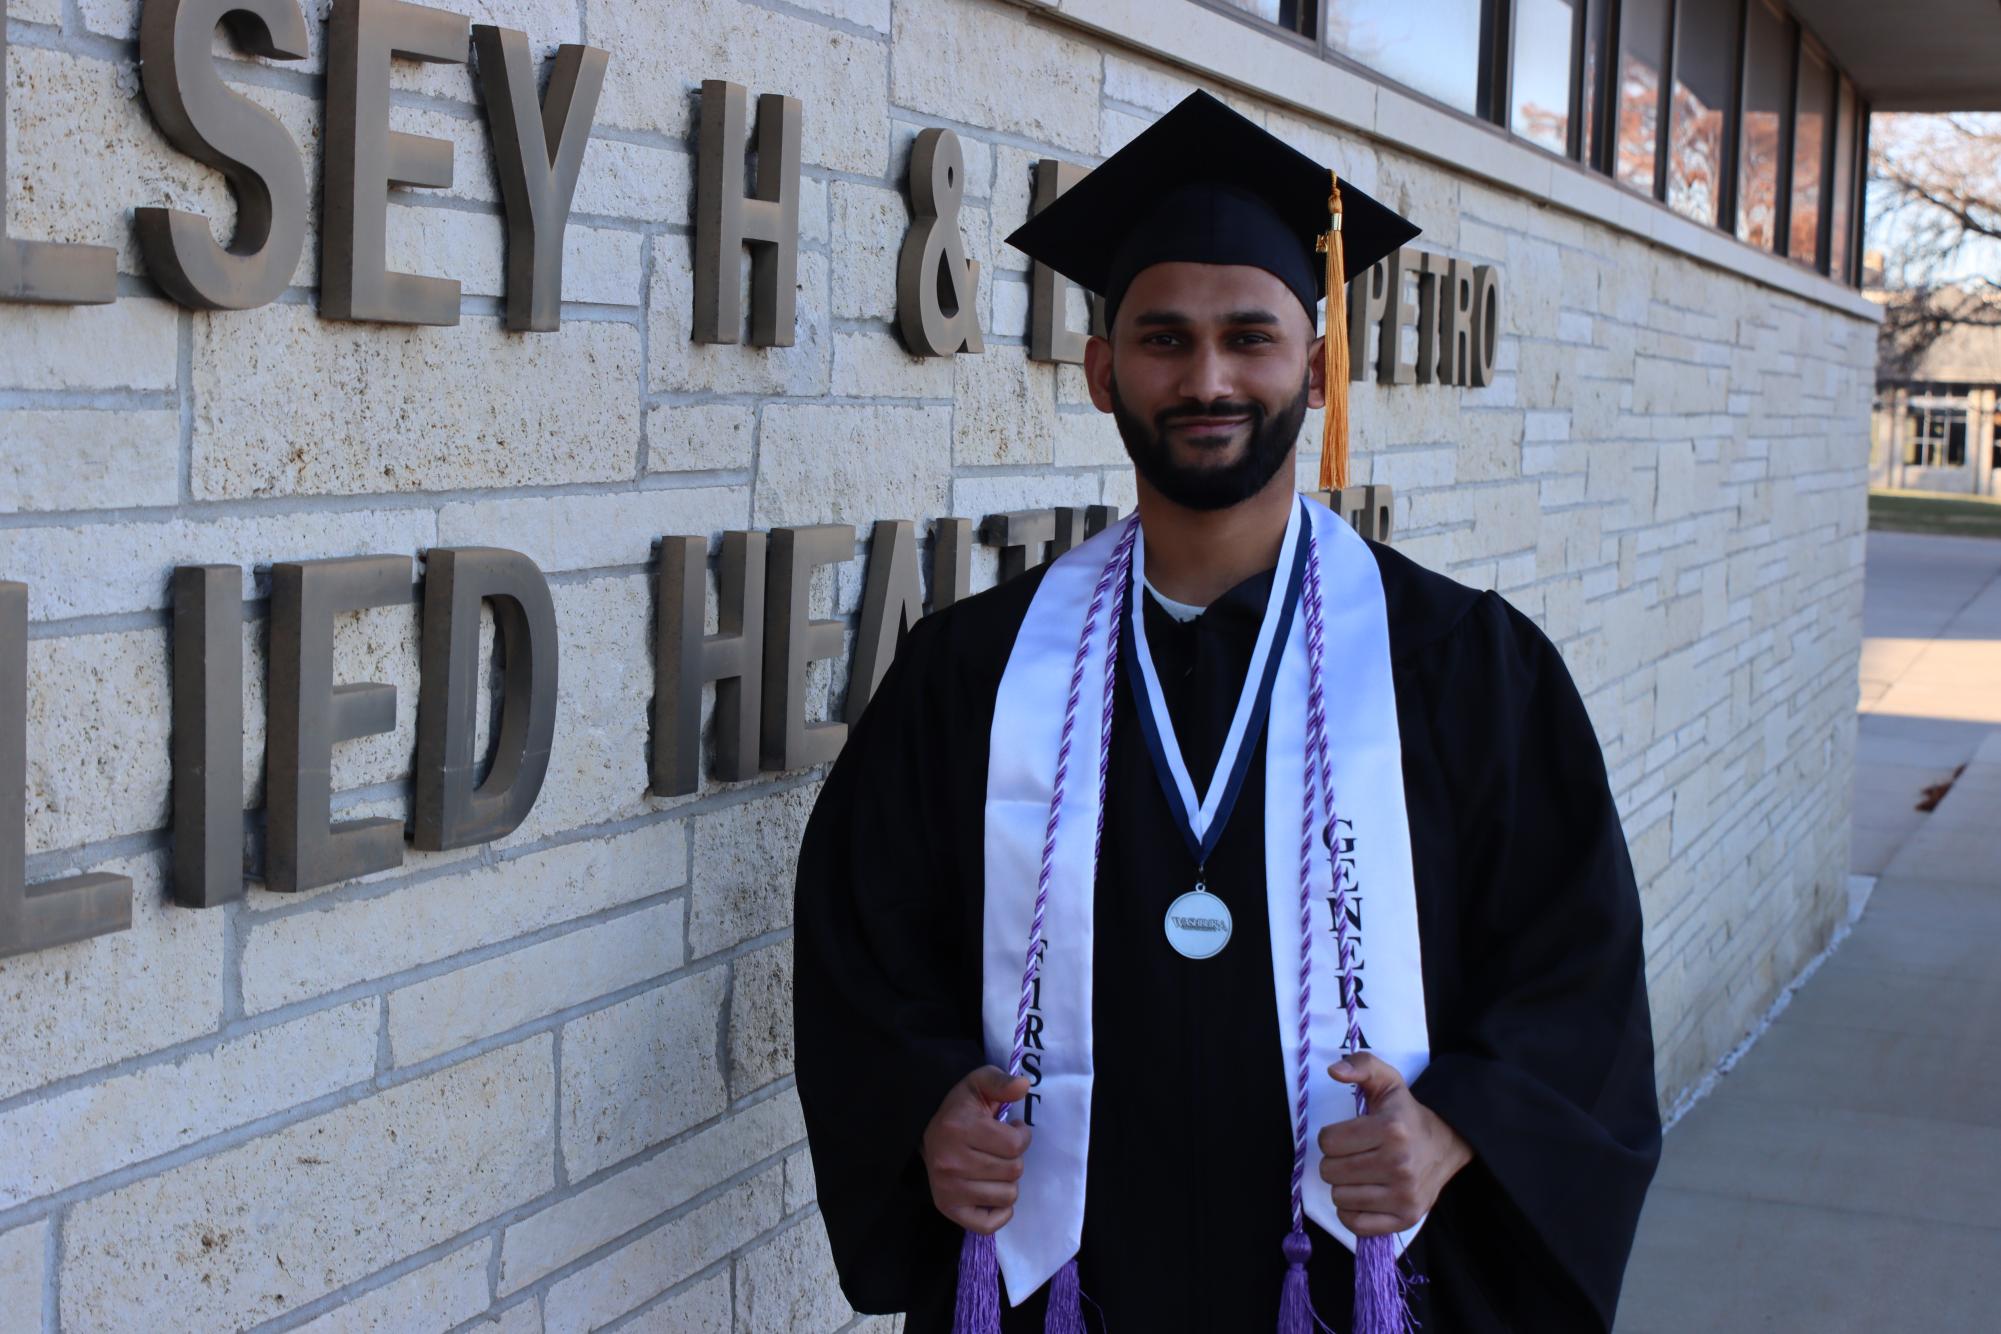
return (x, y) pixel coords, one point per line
(1388, 1167)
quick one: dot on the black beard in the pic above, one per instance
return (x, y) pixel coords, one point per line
(1199, 488)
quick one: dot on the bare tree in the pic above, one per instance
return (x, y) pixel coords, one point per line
(1935, 214)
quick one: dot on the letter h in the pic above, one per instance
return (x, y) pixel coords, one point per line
(725, 220)
(684, 659)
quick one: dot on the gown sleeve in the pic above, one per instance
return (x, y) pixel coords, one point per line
(1544, 1062)
(886, 1003)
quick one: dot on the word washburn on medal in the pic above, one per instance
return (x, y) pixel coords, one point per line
(1198, 924)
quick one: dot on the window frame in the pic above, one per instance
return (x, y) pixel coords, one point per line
(1596, 156)
(1494, 111)
(1782, 186)
(1733, 108)
(1307, 41)
(1856, 232)
(1488, 93)
(1504, 76)
(1614, 63)
(1806, 43)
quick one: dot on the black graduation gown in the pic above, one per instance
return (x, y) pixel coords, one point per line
(1542, 1054)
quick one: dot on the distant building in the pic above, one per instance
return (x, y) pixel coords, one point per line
(1935, 427)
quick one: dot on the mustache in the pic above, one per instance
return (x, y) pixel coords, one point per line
(1221, 408)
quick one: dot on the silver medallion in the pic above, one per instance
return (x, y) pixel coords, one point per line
(1198, 924)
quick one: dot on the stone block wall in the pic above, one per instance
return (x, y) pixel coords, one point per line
(545, 1084)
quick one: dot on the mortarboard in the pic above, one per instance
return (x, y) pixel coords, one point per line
(1205, 185)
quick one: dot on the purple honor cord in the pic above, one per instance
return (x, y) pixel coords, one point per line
(1381, 1303)
(979, 1298)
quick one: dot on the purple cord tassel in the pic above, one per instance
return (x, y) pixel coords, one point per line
(1295, 1302)
(1066, 1302)
(978, 1310)
(1380, 1304)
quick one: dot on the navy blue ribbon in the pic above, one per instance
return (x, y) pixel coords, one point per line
(1200, 848)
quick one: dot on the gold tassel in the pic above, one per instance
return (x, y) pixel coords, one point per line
(1334, 421)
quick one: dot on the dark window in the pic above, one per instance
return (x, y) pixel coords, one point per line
(1768, 93)
(1643, 27)
(1816, 97)
(1543, 65)
(1841, 206)
(1292, 15)
(1938, 432)
(1432, 46)
(1994, 457)
(1705, 83)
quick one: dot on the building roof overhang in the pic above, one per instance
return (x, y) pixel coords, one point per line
(1914, 55)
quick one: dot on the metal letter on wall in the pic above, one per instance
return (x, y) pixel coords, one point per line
(1078, 524)
(726, 220)
(47, 272)
(308, 714)
(1023, 537)
(1400, 312)
(1368, 298)
(951, 562)
(891, 603)
(1049, 339)
(937, 287)
(364, 157)
(1486, 325)
(684, 659)
(538, 153)
(208, 735)
(455, 808)
(1455, 321)
(1432, 270)
(213, 123)
(1381, 503)
(1365, 508)
(791, 641)
(55, 912)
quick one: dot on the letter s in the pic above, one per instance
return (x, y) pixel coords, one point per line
(212, 123)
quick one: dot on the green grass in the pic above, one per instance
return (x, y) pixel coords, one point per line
(1931, 512)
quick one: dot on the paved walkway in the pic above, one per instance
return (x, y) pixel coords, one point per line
(1846, 1175)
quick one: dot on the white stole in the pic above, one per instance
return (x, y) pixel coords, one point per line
(1366, 755)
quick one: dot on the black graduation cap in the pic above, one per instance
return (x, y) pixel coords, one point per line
(1205, 185)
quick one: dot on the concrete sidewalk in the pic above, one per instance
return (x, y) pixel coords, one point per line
(1846, 1174)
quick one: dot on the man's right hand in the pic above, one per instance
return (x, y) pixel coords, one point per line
(973, 1160)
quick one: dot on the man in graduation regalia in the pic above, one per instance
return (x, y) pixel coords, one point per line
(1230, 921)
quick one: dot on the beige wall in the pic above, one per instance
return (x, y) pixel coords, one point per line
(548, 1080)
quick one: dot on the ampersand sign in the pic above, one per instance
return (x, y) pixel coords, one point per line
(936, 285)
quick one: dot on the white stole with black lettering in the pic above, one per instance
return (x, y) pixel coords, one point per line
(1366, 754)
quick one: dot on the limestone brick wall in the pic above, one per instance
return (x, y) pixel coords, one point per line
(545, 1084)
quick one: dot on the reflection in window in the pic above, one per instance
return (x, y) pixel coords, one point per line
(1642, 44)
(1816, 94)
(1841, 202)
(1540, 83)
(1293, 15)
(1768, 91)
(1705, 77)
(1432, 46)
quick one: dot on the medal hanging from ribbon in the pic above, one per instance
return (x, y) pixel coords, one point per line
(1198, 923)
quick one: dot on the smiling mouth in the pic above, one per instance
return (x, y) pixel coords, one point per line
(1210, 425)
